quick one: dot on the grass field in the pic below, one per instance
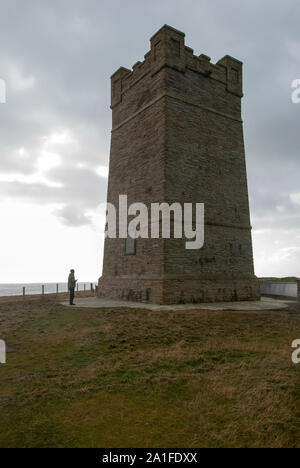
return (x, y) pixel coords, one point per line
(135, 378)
(286, 279)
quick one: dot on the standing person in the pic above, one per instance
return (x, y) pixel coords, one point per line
(71, 285)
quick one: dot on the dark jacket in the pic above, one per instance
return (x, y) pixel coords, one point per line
(71, 281)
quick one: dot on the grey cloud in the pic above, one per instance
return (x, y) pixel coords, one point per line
(79, 186)
(71, 216)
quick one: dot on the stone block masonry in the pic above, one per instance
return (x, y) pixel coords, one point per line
(177, 136)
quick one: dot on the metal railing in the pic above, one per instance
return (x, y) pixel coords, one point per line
(61, 288)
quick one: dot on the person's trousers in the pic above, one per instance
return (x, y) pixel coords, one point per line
(72, 294)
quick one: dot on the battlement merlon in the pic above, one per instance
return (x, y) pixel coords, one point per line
(117, 85)
(234, 74)
(168, 49)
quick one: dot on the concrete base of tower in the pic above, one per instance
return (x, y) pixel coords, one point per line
(178, 290)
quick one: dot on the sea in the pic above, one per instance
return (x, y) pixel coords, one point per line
(16, 289)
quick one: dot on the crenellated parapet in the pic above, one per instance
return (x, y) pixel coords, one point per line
(168, 49)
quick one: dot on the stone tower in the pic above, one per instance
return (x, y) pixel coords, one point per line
(177, 136)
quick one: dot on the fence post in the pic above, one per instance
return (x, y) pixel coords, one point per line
(43, 289)
(24, 290)
(92, 287)
(84, 287)
(57, 288)
(77, 286)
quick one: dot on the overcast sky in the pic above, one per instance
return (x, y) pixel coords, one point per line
(56, 58)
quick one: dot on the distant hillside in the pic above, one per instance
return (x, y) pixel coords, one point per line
(287, 279)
